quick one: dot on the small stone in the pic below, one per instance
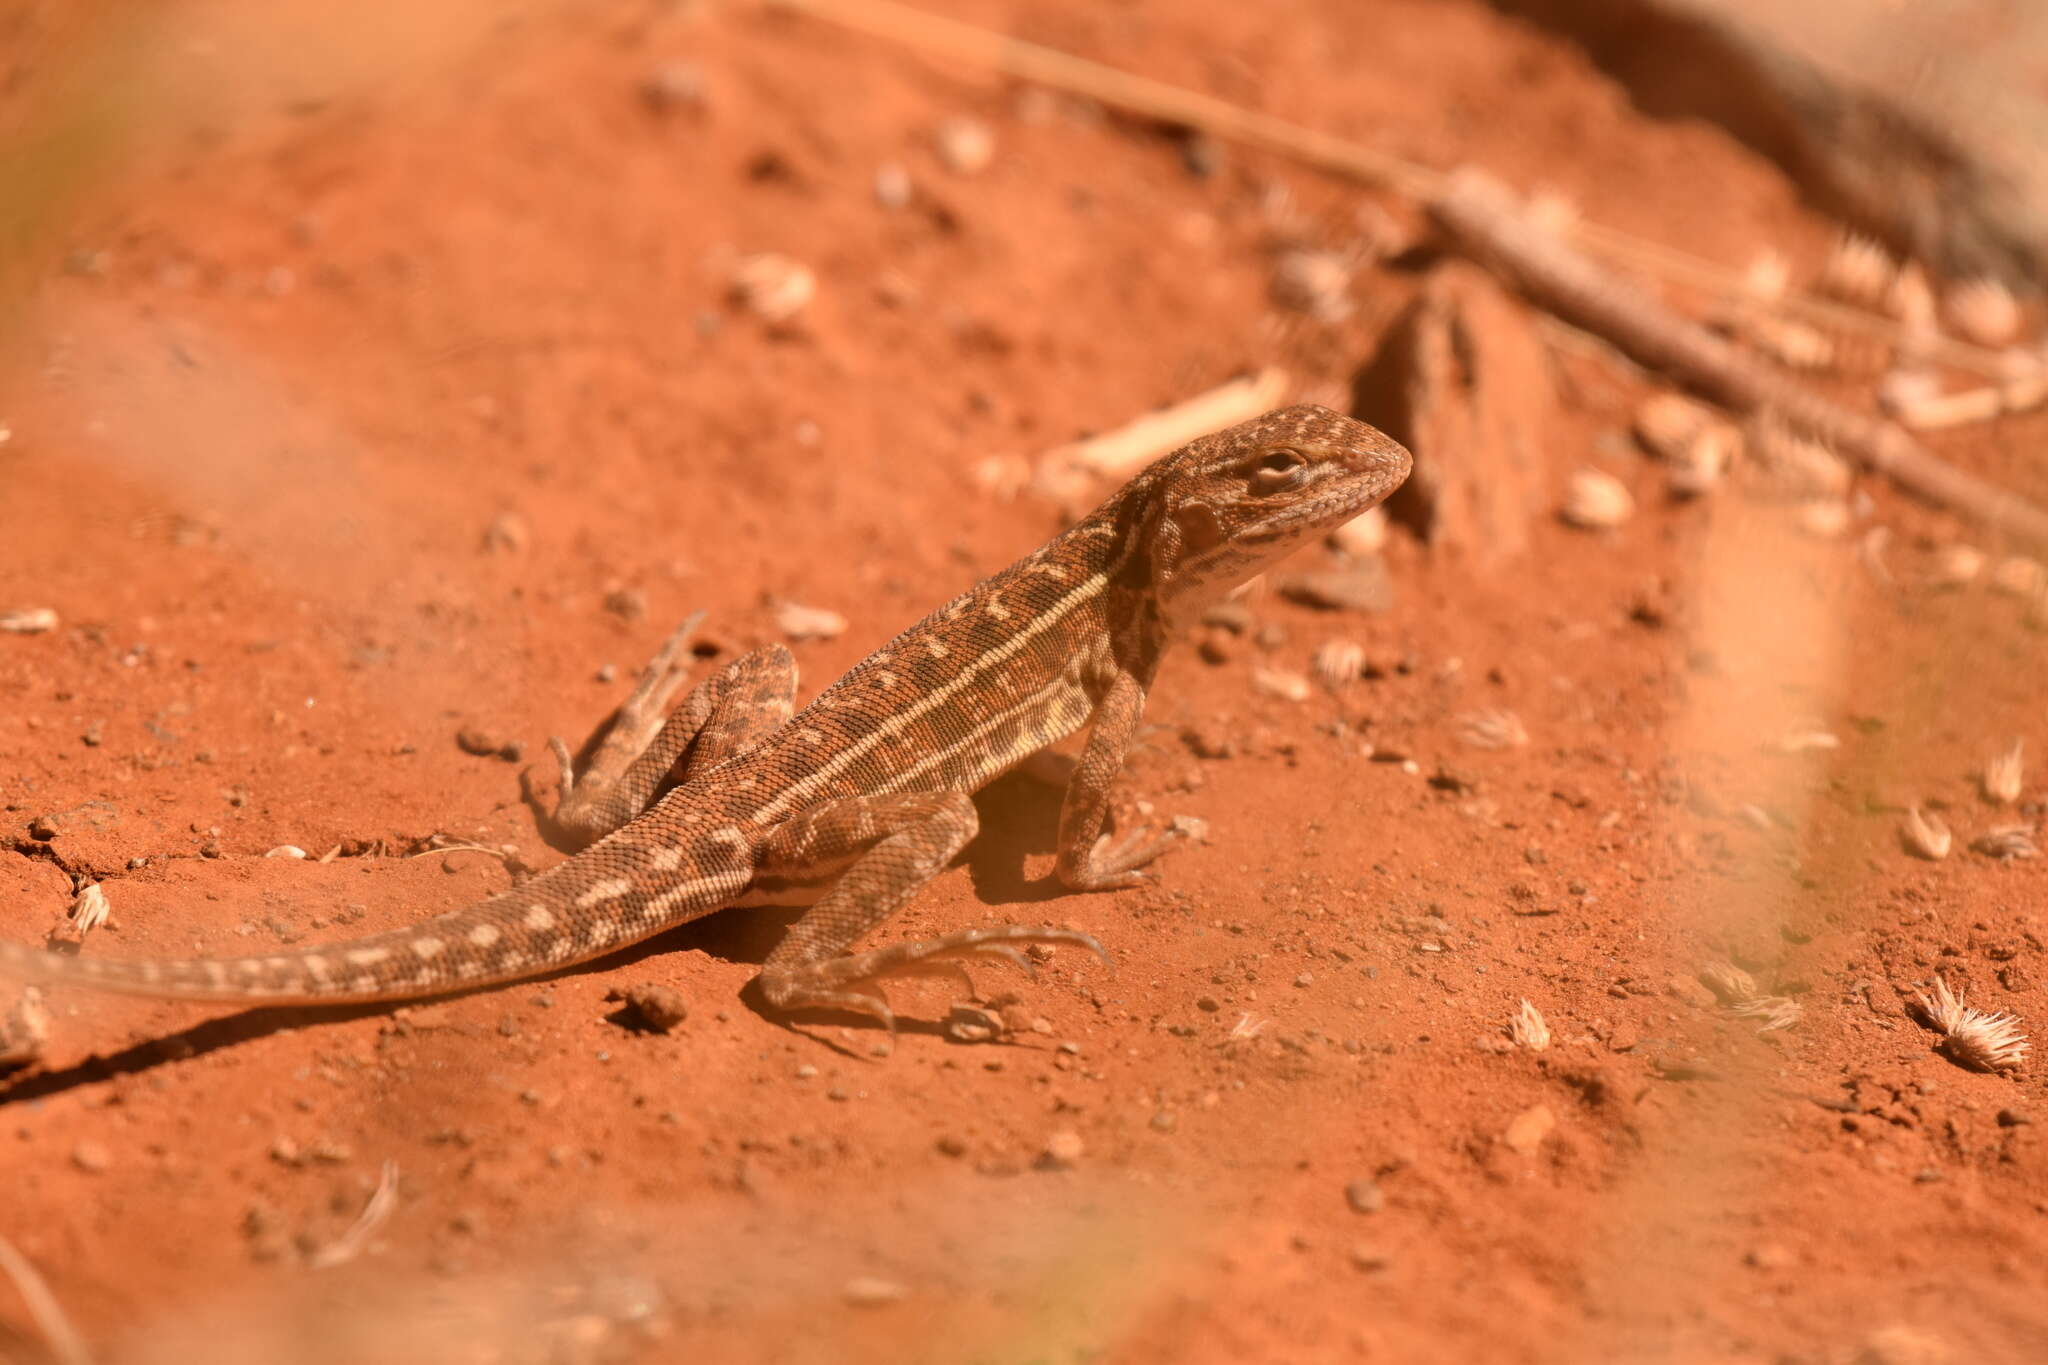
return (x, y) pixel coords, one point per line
(286, 851)
(628, 604)
(773, 287)
(1364, 587)
(1304, 980)
(1770, 1256)
(472, 740)
(1164, 1121)
(656, 1007)
(966, 145)
(1368, 1258)
(507, 534)
(893, 188)
(1062, 1150)
(1527, 1130)
(91, 1157)
(1365, 1196)
(802, 623)
(870, 1291)
(1594, 500)
(42, 827)
(673, 86)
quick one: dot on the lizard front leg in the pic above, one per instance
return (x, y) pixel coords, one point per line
(881, 849)
(1087, 862)
(642, 756)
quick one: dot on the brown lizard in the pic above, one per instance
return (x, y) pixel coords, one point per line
(855, 802)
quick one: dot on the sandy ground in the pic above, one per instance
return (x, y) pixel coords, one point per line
(369, 382)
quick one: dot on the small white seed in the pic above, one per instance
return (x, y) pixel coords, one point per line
(1281, 683)
(1594, 500)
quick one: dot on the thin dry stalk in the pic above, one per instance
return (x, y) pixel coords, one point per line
(1179, 107)
(383, 1200)
(1118, 454)
(65, 1343)
(1488, 220)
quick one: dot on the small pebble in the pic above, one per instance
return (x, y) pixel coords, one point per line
(966, 145)
(870, 1291)
(656, 1007)
(1365, 1196)
(91, 1157)
(1062, 1150)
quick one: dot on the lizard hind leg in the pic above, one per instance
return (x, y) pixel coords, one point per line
(896, 843)
(644, 755)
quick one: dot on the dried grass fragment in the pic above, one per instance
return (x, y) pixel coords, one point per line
(1798, 467)
(1777, 1011)
(1492, 729)
(1528, 1028)
(382, 1202)
(1338, 663)
(2004, 775)
(88, 911)
(1925, 836)
(2007, 843)
(773, 287)
(1978, 1039)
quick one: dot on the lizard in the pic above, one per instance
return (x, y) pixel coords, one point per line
(853, 803)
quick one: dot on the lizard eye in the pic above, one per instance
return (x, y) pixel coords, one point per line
(1277, 470)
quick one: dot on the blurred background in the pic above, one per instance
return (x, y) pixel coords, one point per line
(1595, 843)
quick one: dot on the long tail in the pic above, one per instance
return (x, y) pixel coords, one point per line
(602, 899)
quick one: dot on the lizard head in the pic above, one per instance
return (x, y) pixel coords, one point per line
(1230, 504)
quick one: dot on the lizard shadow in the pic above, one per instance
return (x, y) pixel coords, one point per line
(1018, 817)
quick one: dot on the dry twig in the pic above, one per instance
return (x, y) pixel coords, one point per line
(65, 1343)
(1482, 214)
